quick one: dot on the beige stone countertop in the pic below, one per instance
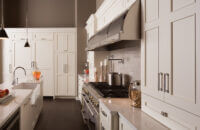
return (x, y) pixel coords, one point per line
(135, 116)
(9, 108)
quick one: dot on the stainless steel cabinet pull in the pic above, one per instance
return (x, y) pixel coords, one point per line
(160, 80)
(166, 82)
(10, 68)
(64, 68)
(104, 113)
(122, 127)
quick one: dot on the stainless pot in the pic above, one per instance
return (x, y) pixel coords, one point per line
(125, 80)
(115, 79)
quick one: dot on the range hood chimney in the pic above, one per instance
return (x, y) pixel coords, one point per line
(125, 27)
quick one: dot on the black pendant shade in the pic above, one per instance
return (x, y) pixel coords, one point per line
(3, 34)
(27, 44)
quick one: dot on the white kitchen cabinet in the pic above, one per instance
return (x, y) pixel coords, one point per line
(54, 51)
(108, 120)
(170, 59)
(66, 64)
(106, 13)
(172, 117)
(45, 63)
(21, 56)
(125, 125)
(26, 116)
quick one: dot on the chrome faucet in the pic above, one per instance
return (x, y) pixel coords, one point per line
(15, 80)
(111, 58)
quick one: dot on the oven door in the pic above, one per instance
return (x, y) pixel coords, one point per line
(90, 117)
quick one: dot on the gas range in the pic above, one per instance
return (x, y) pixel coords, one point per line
(105, 91)
(91, 93)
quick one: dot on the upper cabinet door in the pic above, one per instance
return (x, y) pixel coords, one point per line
(61, 64)
(65, 64)
(150, 74)
(45, 62)
(178, 53)
(184, 86)
(22, 55)
(71, 42)
(151, 84)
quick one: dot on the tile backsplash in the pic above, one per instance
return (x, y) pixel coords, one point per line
(132, 60)
(129, 51)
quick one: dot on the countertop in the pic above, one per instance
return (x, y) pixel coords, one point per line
(8, 109)
(135, 116)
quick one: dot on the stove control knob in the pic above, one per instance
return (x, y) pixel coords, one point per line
(90, 97)
(96, 104)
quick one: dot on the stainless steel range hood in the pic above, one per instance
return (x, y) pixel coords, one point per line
(125, 27)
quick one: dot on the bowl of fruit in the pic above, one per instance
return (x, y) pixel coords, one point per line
(4, 94)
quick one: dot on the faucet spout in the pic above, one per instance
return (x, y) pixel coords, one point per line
(15, 80)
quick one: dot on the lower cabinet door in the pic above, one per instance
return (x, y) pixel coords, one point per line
(125, 125)
(26, 116)
(172, 117)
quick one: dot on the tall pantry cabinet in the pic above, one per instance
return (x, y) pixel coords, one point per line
(65, 56)
(54, 52)
(170, 53)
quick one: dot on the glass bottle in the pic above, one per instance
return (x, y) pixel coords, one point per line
(135, 94)
(35, 71)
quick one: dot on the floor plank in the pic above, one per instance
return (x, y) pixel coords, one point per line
(61, 114)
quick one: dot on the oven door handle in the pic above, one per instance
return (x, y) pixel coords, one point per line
(88, 107)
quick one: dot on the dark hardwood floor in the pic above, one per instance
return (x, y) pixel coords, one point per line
(61, 114)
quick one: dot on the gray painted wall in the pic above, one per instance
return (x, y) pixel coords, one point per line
(98, 3)
(42, 13)
(84, 9)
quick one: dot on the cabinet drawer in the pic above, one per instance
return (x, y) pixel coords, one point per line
(105, 117)
(44, 36)
(21, 36)
(170, 116)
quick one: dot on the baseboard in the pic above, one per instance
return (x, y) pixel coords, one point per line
(64, 97)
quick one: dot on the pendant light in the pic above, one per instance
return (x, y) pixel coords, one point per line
(27, 43)
(3, 34)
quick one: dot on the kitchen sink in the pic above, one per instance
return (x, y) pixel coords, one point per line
(25, 86)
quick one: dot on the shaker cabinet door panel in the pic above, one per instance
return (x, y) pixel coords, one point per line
(22, 55)
(151, 68)
(44, 60)
(44, 54)
(183, 89)
(71, 42)
(65, 64)
(71, 90)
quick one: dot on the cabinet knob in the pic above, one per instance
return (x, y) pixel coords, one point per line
(165, 114)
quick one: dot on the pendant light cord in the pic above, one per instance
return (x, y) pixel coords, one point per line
(2, 15)
(27, 20)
